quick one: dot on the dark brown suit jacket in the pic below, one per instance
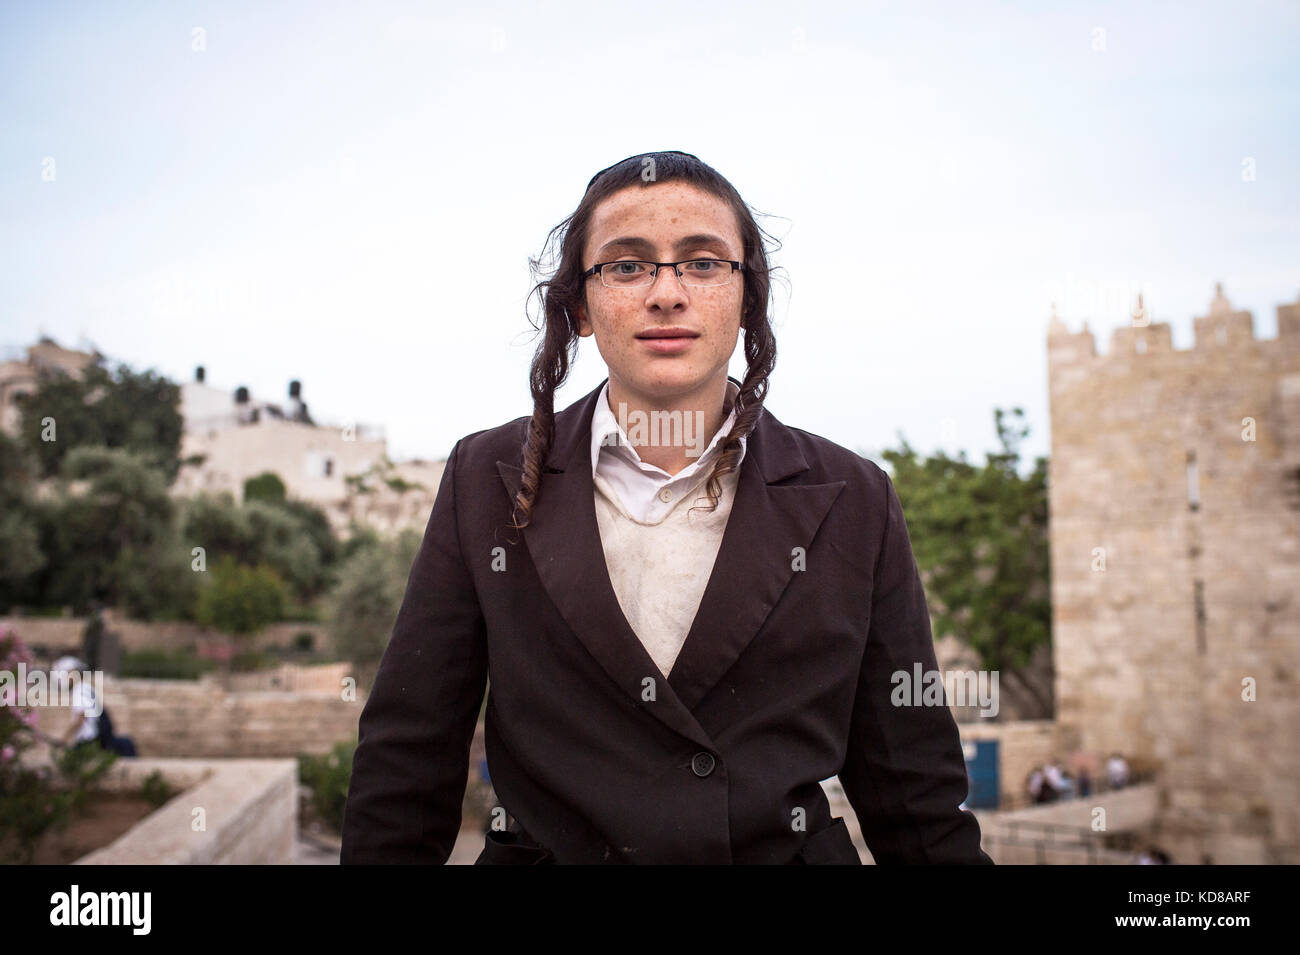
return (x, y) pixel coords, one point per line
(783, 681)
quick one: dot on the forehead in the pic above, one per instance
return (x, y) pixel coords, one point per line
(662, 213)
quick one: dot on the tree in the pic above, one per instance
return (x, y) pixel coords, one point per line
(20, 533)
(137, 412)
(980, 536)
(218, 525)
(292, 537)
(315, 524)
(371, 585)
(241, 600)
(111, 536)
(267, 487)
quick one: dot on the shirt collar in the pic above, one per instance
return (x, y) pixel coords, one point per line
(605, 427)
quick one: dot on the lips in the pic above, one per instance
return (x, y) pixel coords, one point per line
(674, 331)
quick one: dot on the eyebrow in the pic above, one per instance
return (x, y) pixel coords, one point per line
(635, 243)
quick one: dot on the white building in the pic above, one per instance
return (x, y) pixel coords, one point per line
(231, 436)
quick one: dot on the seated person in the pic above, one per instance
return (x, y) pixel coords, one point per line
(87, 727)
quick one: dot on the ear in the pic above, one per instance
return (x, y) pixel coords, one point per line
(584, 323)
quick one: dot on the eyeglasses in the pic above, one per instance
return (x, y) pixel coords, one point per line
(698, 273)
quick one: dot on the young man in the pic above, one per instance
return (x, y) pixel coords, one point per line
(690, 613)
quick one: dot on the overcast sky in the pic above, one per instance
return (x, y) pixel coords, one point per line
(348, 193)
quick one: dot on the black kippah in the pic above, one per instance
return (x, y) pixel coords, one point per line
(662, 152)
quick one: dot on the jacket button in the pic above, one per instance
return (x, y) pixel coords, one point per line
(703, 764)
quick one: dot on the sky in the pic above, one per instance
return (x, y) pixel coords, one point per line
(349, 193)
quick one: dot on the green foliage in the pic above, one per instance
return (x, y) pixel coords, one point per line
(44, 613)
(16, 722)
(135, 412)
(156, 790)
(382, 472)
(239, 599)
(158, 583)
(368, 596)
(301, 613)
(20, 532)
(292, 537)
(109, 536)
(29, 806)
(359, 537)
(81, 768)
(164, 665)
(267, 487)
(282, 545)
(109, 529)
(34, 799)
(401, 485)
(216, 523)
(980, 537)
(249, 661)
(313, 522)
(328, 777)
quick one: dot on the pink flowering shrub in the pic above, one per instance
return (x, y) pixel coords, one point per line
(33, 799)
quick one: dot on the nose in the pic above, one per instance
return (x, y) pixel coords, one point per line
(671, 270)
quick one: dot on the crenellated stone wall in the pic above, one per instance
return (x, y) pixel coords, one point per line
(1175, 537)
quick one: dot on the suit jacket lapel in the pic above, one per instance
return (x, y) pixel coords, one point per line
(563, 539)
(756, 560)
(753, 568)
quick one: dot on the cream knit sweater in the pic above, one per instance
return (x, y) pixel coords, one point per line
(660, 570)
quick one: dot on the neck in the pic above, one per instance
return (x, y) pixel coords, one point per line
(671, 432)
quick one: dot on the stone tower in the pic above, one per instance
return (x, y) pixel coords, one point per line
(1174, 493)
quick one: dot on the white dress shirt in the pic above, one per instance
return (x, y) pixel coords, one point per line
(646, 492)
(659, 555)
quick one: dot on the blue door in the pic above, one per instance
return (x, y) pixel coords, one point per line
(982, 771)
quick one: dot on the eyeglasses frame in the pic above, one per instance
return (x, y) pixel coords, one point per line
(654, 276)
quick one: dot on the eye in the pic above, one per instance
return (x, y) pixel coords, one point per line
(632, 268)
(705, 266)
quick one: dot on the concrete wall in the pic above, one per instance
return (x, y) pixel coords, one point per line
(232, 812)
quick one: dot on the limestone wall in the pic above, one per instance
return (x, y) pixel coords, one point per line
(156, 635)
(1022, 745)
(202, 719)
(231, 812)
(1175, 539)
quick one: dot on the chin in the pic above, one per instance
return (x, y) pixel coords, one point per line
(665, 381)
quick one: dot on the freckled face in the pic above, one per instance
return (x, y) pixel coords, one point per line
(663, 222)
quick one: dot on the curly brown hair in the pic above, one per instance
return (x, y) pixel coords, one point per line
(566, 289)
